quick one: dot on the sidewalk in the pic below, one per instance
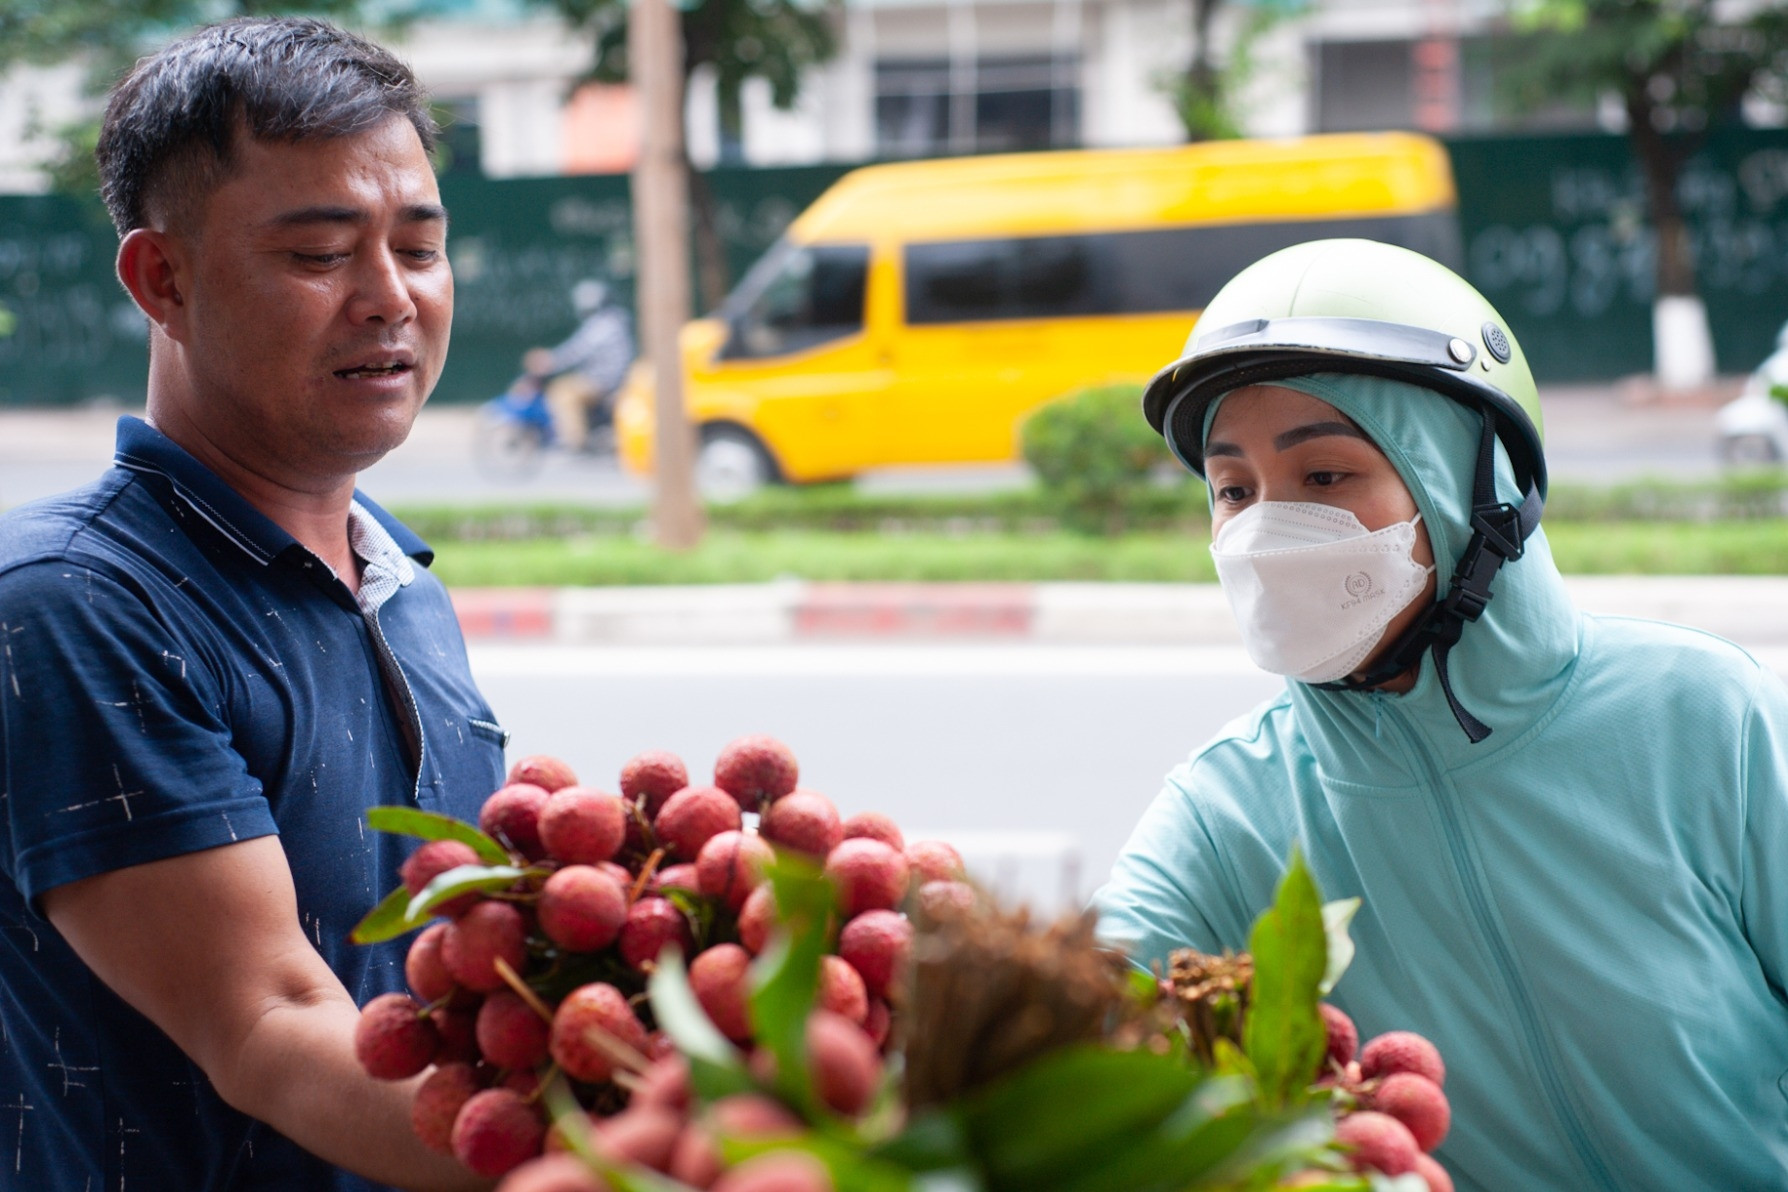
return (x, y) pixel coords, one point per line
(1751, 610)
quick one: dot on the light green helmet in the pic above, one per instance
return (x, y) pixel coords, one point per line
(1351, 306)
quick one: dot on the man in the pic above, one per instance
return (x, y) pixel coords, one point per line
(587, 369)
(218, 656)
(1566, 830)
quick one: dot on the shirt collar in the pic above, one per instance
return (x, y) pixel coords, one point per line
(143, 449)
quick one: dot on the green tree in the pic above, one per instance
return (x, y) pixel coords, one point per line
(1680, 67)
(773, 40)
(109, 35)
(1207, 95)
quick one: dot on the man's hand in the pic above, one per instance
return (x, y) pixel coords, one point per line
(223, 967)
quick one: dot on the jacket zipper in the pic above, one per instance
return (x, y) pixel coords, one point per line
(1478, 900)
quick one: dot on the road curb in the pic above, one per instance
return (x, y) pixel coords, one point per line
(1752, 610)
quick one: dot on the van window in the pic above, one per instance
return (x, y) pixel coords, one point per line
(1160, 269)
(796, 298)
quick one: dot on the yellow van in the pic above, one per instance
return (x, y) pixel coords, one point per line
(917, 311)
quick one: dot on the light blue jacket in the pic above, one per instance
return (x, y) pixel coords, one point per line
(1587, 912)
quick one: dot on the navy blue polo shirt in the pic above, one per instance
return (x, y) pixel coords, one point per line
(177, 673)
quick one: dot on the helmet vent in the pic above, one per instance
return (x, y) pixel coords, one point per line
(1497, 342)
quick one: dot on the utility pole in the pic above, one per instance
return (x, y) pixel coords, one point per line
(661, 232)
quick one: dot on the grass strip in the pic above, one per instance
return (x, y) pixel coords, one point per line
(1746, 547)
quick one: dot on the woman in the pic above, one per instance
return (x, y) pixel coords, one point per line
(1567, 830)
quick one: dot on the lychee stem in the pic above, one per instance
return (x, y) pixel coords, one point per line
(621, 1052)
(513, 979)
(645, 875)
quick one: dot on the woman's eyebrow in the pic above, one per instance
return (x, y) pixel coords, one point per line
(1313, 430)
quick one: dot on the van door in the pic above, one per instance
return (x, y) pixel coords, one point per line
(796, 367)
(982, 341)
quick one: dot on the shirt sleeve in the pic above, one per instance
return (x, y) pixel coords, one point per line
(115, 748)
(1155, 902)
(1764, 897)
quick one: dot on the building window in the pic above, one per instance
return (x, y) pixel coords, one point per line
(929, 106)
(1436, 84)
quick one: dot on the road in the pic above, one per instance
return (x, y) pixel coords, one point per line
(1036, 760)
(1594, 434)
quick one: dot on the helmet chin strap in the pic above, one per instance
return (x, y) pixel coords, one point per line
(1499, 535)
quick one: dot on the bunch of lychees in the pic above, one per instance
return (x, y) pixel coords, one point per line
(1392, 1110)
(536, 972)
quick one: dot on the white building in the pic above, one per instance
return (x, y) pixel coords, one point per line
(917, 78)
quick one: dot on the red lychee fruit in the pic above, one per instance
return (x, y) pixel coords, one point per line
(665, 1084)
(804, 821)
(548, 773)
(692, 817)
(525, 1081)
(756, 770)
(718, 977)
(1402, 1051)
(581, 908)
(683, 876)
(424, 970)
(580, 826)
(731, 865)
(777, 1171)
(496, 1131)
(873, 825)
(458, 1029)
(651, 924)
(553, 1173)
(655, 775)
(934, 861)
(510, 1034)
(588, 1023)
(1344, 1037)
(438, 1101)
(868, 875)
(625, 876)
(944, 900)
(642, 1134)
(1418, 1103)
(878, 1024)
(877, 944)
(431, 861)
(753, 1115)
(659, 1045)
(844, 1062)
(841, 990)
(695, 1160)
(512, 815)
(1379, 1142)
(475, 941)
(757, 918)
(394, 1038)
(1433, 1173)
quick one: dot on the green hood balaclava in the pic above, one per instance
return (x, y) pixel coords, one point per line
(1526, 638)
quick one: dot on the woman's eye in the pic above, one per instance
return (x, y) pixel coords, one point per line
(1323, 479)
(1232, 493)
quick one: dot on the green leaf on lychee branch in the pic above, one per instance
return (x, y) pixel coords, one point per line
(432, 825)
(715, 1067)
(1284, 1034)
(385, 921)
(1337, 917)
(852, 1169)
(461, 879)
(785, 977)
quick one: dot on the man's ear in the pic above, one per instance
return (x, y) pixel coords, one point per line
(152, 268)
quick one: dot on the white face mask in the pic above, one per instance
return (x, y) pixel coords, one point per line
(1312, 589)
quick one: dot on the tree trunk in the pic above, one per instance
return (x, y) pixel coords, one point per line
(1203, 82)
(660, 218)
(712, 276)
(1682, 340)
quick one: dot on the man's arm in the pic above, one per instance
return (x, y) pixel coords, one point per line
(208, 947)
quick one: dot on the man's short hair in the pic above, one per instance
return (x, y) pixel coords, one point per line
(169, 126)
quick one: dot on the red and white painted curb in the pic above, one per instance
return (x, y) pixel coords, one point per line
(1750, 610)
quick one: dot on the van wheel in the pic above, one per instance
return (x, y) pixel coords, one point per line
(1740, 450)
(731, 463)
